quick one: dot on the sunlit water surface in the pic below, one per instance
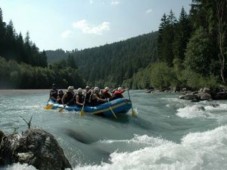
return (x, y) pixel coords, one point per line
(168, 133)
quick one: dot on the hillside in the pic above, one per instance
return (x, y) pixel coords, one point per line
(114, 63)
(188, 51)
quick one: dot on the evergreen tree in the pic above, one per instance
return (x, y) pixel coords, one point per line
(2, 33)
(197, 57)
(182, 35)
(71, 62)
(166, 37)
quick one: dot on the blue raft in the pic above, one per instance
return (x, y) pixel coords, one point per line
(118, 106)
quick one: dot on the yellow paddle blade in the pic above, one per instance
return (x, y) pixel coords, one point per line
(82, 113)
(113, 113)
(61, 109)
(49, 106)
(134, 113)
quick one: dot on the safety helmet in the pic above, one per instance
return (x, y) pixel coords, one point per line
(70, 88)
(60, 92)
(79, 90)
(107, 88)
(96, 89)
(119, 88)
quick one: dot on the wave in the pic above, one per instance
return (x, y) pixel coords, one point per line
(200, 150)
(18, 166)
(213, 111)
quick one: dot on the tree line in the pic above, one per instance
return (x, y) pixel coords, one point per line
(192, 49)
(116, 63)
(25, 76)
(112, 64)
(188, 51)
(14, 47)
(22, 65)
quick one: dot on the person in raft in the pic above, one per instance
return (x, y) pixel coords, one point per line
(96, 97)
(53, 93)
(88, 92)
(60, 96)
(69, 97)
(105, 93)
(118, 93)
(79, 97)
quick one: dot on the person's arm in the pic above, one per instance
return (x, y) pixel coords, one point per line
(100, 99)
(63, 98)
(77, 101)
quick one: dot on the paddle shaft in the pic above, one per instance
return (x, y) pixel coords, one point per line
(133, 114)
(82, 109)
(111, 109)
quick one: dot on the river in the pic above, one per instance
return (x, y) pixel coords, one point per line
(168, 133)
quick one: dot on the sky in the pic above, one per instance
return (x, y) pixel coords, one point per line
(81, 24)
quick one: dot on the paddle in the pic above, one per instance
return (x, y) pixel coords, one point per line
(61, 109)
(111, 109)
(133, 111)
(48, 106)
(82, 109)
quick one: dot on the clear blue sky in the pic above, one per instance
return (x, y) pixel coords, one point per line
(80, 24)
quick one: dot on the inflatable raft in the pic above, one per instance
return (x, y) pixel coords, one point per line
(114, 108)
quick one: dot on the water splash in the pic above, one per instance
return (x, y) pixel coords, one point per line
(201, 150)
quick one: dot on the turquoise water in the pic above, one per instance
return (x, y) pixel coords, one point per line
(168, 133)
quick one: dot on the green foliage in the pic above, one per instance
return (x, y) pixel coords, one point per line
(166, 37)
(196, 81)
(162, 76)
(14, 47)
(186, 52)
(198, 44)
(111, 64)
(197, 56)
(182, 35)
(26, 76)
(56, 55)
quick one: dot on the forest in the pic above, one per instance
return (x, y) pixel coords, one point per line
(186, 51)
(23, 66)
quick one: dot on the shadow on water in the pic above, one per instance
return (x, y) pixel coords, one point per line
(124, 118)
(142, 123)
(80, 136)
(96, 154)
(128, 119)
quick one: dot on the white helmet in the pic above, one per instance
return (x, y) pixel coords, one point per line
(119, 88)
(79, 90)
(70, 88)
(96, 89)
(107, 88)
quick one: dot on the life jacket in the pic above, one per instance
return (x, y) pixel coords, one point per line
(59, 98)
(69, 98)
(88, 97)
(118, 94)
(54, 93)
(94, 100)
(106, 94)
(81, 98)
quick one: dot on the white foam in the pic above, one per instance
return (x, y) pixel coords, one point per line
(192, 112)
(18, 166)
(201, 150)
(204, 110)
(144, 139)
(216, 107)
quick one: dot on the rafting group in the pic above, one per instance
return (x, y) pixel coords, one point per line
(88, 96)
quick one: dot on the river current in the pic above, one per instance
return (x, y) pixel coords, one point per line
(168, 133)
